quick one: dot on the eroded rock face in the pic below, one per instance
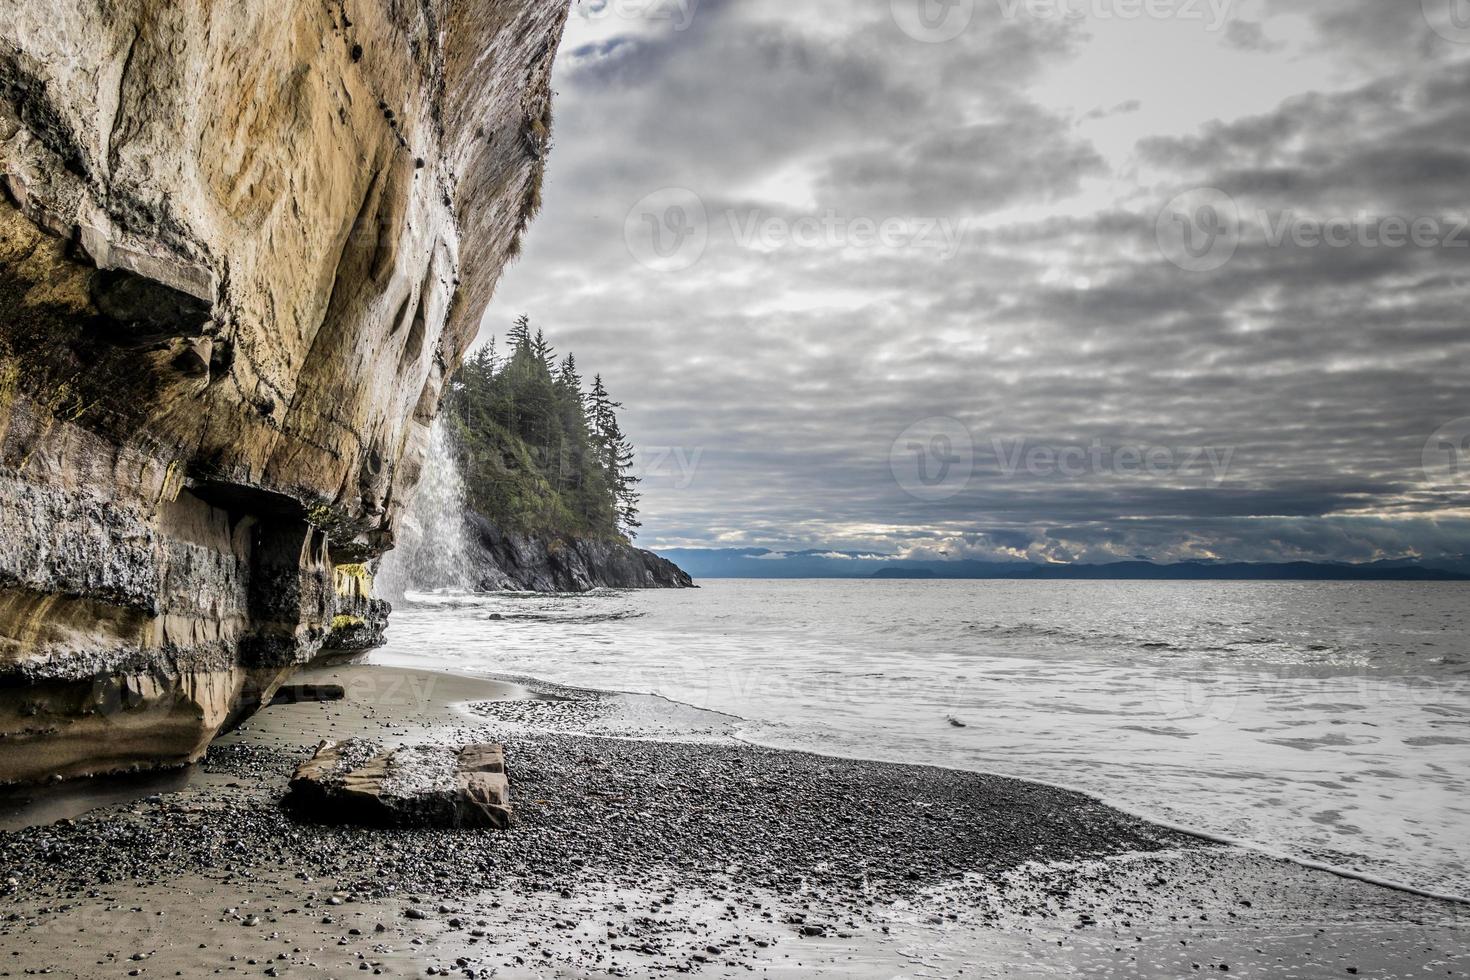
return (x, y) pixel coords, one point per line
(538, 563)
(241, 248)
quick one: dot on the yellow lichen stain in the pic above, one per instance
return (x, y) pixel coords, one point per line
(64, 404)
(9, 388)
(346, 622)
(39, 260)
(353, 581)
(9, 382)
(29, 620)
(75, 414)
(59, 289)
(173, 482)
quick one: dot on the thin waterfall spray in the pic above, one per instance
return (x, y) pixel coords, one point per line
(433, 553)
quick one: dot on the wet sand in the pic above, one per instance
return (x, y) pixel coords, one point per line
(650, 843)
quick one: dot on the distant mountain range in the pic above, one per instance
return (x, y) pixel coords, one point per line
(764, 563)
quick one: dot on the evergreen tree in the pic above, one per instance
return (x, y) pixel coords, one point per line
(568, 377)
(626, 491)
(543, 350)
(520, 334)
(540, 453)
(615, 453)
(602, 418)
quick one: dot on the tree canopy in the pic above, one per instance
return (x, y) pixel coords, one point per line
(538, 452)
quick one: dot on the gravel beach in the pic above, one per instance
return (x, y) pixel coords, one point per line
(648, 842)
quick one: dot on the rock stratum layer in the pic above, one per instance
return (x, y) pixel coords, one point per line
(241, 248)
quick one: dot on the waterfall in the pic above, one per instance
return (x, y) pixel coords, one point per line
(433, 552)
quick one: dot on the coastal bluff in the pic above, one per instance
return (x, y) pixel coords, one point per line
(523, 562)
(242, 247)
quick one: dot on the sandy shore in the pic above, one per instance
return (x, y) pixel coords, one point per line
(650, 843)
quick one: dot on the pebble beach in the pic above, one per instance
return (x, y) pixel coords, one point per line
(650, 843)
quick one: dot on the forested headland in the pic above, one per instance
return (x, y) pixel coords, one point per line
(540, 450)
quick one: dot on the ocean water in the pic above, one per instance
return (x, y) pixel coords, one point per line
(1326, 721)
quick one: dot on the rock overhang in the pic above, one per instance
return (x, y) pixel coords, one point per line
(242, 247)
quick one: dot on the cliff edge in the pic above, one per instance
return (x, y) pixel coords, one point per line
(242, 246)
(506, 561)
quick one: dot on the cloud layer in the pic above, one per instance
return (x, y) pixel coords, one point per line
(866, 290)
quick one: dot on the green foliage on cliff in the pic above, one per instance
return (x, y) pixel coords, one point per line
(538, 452)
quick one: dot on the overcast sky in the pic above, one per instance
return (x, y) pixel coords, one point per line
(1055, 279)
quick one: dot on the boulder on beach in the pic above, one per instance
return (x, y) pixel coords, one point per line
(309, 693)
(357, 781)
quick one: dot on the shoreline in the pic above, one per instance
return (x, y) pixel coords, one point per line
(686, 855)
(537, 684)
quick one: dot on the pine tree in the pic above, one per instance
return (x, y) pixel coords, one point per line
(626, 491)
(540, 453)
(542, 350)
(520, 335)
(617, 457)
(600, 413)
(568, 377)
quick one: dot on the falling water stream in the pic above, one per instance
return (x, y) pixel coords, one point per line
(433, 551)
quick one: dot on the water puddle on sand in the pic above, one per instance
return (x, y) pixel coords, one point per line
(36, 806)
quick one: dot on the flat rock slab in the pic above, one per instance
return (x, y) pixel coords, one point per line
(357, 782)
(309, 693)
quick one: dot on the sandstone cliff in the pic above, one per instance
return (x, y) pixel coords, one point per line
(241, 247)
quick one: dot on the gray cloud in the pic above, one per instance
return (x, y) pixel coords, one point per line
(1027, 156)
(781, 374)
(1248, 35)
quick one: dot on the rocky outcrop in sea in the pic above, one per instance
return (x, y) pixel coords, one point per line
(547, 563)
(242, 246)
